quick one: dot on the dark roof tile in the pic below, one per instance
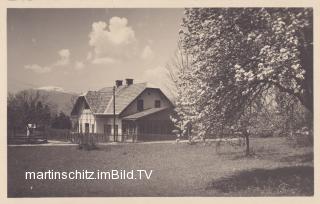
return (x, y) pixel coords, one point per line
(101, 102)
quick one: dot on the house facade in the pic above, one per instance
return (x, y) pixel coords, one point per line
(140, 112)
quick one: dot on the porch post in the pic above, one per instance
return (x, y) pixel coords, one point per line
(136, 130)
(114, 114)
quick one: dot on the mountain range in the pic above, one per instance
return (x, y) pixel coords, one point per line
(58, 99)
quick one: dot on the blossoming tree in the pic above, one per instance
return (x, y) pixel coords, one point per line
(238, 53)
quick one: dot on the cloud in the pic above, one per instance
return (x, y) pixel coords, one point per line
(51, 88)
(78, 65)
(103, 60)
(119, 33)
(110, 42)
(33, 40)
(114, 39)
(64, 53)
(147, 53)
(64, 57)
(89, 56)
(37, 68)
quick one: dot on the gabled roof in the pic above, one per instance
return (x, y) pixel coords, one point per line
(124, 96)
(98, 100)
(101, 101)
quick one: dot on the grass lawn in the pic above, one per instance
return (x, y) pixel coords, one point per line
(275, 168)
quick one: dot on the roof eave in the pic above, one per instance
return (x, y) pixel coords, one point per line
(143, 116)
(109, 114)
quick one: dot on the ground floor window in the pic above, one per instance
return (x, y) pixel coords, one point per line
(86, 128)
(107, 129)
(155, 127)
(157, 104)
(116, 130)
(76, 127)
(128, 128)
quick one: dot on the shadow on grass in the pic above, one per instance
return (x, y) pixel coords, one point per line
(298, 158)
(285, 181)
(30, 141)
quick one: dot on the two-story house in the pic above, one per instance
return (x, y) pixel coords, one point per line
(138, 111)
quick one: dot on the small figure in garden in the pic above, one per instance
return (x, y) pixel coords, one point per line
(28, 131)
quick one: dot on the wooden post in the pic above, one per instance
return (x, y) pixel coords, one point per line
(114, 114)
(134, 132)
(245, 133)
(137, 130)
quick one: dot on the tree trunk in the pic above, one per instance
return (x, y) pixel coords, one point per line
(248, 146)
(246, 135)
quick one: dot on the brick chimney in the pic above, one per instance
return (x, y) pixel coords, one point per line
(129, 82)
(118, 83)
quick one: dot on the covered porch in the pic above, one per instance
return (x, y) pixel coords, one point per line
(148, 125)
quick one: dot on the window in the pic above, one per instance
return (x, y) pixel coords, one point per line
(140, 105)
(76, 127)
(92, 130)
(86, 128)
(157, 103)
(107, 129)
(124, 128)
(116, 130)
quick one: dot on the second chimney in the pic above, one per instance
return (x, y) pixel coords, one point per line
(129, 82)
(118, 83)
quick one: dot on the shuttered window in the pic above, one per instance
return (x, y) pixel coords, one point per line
(140, 105)
(157, 103)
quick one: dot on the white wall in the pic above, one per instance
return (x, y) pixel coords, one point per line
(149, 97)
(86, 116)
(107, 120)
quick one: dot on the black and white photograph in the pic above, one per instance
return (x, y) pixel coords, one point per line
(160, 102)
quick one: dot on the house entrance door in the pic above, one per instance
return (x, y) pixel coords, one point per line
(128, 130)
(107, 129)
(86, 128)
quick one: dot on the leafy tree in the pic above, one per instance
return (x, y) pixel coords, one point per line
(14, 119)
(240, 53)
(39, 111)
(26, 107)
(183, 115)
(61, 121)
(46, 115)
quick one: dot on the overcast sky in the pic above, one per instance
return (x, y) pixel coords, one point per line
(87, 49)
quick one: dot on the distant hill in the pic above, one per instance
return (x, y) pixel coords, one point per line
(58, 99)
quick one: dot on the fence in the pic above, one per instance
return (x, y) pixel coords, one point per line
(156, 137)
(68, 136)
(21, 137)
